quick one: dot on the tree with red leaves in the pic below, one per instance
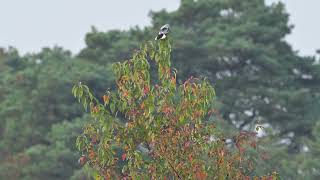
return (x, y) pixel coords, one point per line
(146, 131)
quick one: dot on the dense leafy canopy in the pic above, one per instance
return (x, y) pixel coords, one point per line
(38, 116)
(238, 45)
(167, 132)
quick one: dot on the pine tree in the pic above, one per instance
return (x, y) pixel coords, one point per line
(240, 47)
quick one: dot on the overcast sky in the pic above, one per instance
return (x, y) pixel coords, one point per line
(30, 25)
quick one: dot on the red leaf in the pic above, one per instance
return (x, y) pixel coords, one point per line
(190, 158)
(146, 90)
(124, 156)
(125, 94)
(82, 160)
(106, 99)
(187, 144)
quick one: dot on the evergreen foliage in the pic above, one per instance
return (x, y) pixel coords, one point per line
(238, 45)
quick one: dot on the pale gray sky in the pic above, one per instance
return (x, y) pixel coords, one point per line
(30, 25)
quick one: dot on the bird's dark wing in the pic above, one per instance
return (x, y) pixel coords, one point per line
(159, 36)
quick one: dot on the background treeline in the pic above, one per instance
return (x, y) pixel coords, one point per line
(238, 45)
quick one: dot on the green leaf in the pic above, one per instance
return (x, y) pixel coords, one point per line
(112, 107)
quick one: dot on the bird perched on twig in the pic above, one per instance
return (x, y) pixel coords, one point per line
(164, 30)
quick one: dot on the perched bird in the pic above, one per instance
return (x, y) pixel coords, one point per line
(164, 30)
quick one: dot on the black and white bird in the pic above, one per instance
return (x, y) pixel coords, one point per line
(164, 30)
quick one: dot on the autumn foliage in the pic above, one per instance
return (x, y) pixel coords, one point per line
(150, 128)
